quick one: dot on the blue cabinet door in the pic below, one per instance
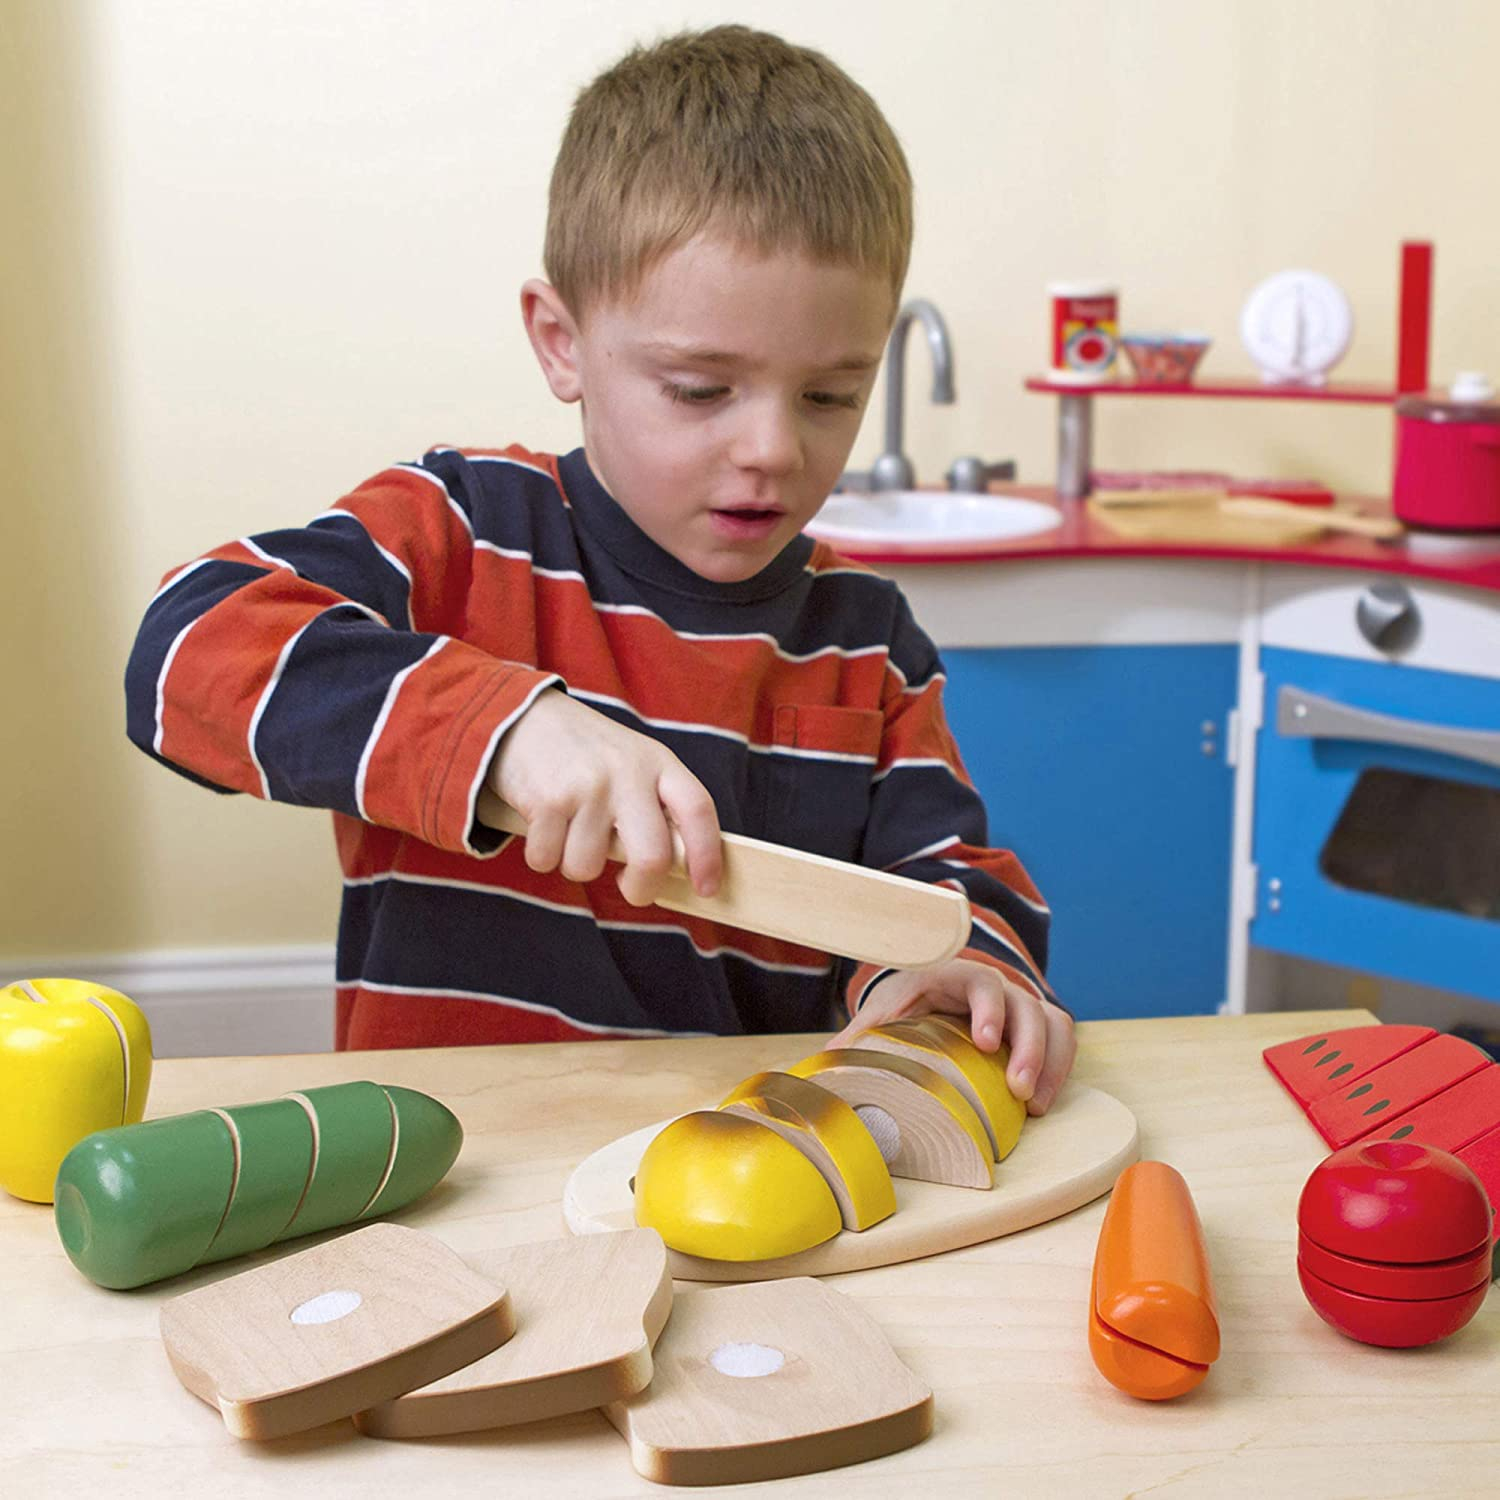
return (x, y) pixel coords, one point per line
(1092, 765)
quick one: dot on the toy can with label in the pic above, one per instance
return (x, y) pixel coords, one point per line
(1085, 330)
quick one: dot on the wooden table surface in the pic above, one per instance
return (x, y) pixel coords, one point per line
(88, 1404)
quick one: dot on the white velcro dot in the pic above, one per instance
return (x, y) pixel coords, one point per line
(746, 1361)
(326, 1307)
(883, 1127)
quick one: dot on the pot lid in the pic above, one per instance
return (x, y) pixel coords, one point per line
(1471, 398)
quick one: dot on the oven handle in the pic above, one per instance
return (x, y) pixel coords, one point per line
(1303, 715)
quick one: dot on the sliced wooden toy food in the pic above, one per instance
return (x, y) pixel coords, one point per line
(142, 1202)
(1311, 1067)
(587, 1311)
(1395, 1087)
(947, 1048)
(829, 1133)
(319, 1335)
(75, 1057)
(1153, 1324)
(1453, 1118)
(767, 1380)
(727, 1187)
(1482, 1157)
(1066, 1159)
(924, 1127)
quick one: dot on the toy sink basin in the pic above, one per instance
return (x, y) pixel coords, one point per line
(921, 516)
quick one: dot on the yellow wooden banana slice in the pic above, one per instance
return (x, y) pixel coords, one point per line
(947, 1048)
(925, 1128)
(730, 1188)
(828, 1132)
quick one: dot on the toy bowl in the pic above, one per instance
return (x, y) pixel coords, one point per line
(1165, 358)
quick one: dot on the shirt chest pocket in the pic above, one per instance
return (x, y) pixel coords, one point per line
(818, 777)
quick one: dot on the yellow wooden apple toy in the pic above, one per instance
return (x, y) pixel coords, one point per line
(74, 1058)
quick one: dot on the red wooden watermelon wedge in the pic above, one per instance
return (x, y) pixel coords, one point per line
(1313, 1066)
(1453, 1118)
(1483, 1156)
(1395, 1087)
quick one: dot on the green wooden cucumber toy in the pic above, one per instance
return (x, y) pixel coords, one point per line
(141, 1202)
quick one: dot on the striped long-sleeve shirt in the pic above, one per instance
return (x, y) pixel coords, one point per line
(370, 662)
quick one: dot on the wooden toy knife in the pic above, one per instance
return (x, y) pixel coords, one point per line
(806, 898)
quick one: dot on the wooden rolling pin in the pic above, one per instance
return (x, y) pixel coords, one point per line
(806, 898)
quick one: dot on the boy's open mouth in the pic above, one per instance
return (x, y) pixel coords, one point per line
(747, 520)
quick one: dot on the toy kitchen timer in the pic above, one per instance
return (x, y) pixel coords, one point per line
(1296, 326)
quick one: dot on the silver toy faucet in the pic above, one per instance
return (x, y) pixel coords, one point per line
(893, 469)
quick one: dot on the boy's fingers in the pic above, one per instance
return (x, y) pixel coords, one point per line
(692, 810)
(543, 841)
(1062, 1046)
(985, 994)
(1027, 1035)
(647, 842)
(587, 844)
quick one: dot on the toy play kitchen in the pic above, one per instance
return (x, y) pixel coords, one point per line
(1301, 689)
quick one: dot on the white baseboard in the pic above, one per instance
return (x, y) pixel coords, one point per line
(213, 1002)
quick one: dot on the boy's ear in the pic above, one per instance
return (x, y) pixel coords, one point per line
(554, 337)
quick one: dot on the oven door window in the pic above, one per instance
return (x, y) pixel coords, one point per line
(1424, 840)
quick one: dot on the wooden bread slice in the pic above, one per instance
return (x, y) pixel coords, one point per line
(328, 1332)
(929, 1130)
(588, 1313)
(768, 1380)
(947, 1048)
(829, 1133)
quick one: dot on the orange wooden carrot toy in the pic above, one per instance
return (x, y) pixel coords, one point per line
(1153, 1327)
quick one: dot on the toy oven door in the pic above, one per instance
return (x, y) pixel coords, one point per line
(1377, 820)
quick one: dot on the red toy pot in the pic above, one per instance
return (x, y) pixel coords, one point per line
(1395, 1243)
(1448, 462)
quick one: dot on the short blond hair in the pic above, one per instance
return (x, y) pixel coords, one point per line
(730, 129)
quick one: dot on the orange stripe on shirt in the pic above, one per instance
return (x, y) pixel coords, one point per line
(219, 674)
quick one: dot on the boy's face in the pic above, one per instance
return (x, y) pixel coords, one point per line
(721, 400)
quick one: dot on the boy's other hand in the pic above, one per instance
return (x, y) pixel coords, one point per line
(1039, 1033)
(578, 778)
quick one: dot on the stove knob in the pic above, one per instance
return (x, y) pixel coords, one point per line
(1387, 617)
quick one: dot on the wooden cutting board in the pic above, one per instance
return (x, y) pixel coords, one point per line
(765, 1381)
(1192, 520)
(1064, 1159)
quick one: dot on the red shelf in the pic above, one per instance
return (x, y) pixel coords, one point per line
(1365, 393)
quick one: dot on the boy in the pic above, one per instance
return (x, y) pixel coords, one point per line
(634, 637)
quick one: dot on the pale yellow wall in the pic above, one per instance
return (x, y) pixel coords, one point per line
(255, 249)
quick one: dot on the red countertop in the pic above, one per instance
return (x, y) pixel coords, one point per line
(1473, 560)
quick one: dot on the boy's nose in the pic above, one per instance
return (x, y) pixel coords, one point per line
(768, 441)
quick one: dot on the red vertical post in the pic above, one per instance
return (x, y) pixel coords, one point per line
(1415, 329)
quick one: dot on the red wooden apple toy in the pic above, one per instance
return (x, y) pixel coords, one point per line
(1394, 1243)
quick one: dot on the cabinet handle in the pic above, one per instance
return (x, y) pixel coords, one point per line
(1303, 715)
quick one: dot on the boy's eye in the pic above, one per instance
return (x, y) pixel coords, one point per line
(830, 399)
(692, 393)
